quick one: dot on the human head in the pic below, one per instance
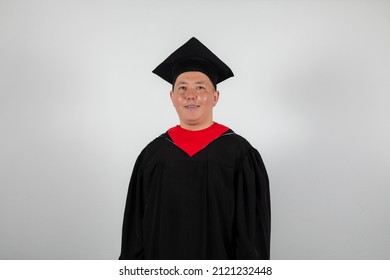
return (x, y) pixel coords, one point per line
(198, 70)
(194, 97)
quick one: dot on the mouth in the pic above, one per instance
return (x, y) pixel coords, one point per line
(191, 106)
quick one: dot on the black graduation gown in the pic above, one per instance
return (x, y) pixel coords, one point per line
(213, 205)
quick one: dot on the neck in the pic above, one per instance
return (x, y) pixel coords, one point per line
(195, 127)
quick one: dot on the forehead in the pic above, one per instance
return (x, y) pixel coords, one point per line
(193, 77)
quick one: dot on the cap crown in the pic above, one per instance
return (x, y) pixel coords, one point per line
(193, 56)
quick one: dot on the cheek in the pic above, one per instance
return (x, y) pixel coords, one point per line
(177, 101)
(209, 100)
(204, 98)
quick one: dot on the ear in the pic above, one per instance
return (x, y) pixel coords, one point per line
(171, 96)
(216, 97)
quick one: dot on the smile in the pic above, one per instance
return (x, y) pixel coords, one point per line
(191, 106)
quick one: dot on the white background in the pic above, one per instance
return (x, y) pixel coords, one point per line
(79, 102)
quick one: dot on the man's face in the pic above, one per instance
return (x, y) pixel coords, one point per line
(194, 97)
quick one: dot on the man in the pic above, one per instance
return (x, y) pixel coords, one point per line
(198, 191)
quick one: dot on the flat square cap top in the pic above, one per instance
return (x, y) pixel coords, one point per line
(193, 56)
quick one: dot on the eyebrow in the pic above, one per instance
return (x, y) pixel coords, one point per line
(185, 83)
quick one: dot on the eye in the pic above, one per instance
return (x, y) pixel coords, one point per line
(181, 88)
(200, 87)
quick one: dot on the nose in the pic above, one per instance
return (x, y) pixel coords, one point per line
(191, 95)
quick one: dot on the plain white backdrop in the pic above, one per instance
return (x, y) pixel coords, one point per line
(79, 103)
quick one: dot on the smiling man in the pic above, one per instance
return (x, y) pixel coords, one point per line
(194, 97)
(198, 191)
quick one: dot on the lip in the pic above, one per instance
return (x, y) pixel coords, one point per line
(191, 106)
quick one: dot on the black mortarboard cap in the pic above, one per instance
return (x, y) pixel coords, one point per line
(193, 56)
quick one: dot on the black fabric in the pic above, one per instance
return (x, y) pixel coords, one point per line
(213, 205)
(193, 56)
(195, 64)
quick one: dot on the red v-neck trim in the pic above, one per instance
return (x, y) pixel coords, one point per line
(191, 142)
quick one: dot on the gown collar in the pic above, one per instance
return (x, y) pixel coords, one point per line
(191, 142)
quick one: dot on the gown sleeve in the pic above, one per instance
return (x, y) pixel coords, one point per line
(132, 241)
(253, 211)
